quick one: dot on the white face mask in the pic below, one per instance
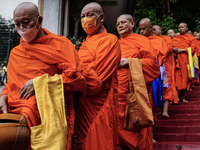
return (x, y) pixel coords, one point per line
(29, 34)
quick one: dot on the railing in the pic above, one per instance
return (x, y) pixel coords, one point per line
(9, 38)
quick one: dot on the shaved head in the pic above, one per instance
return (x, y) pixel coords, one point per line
(145, 27)
(183, 28)
(125, 25)
(171, 33)
(145, 21)
(92, 11)
(184, 24)
(94, 6)
(127, 16)
(26, 7)
(198, 36)
(28, 12)
(157, 30)
(190, 32)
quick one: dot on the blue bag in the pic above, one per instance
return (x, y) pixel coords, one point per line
(195, 73)
(157, 91)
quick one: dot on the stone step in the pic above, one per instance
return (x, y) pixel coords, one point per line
(176, 146)
(177, 129)
(184, 111)
(185, 106)
(179, 116)
(177, 137)
(178, 122)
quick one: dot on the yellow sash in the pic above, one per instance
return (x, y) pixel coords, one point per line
(51, 134)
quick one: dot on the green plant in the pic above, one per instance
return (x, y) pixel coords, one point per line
(168, 23)
(77, 42)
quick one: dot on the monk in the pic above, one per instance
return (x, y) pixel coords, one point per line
(170, 93)
(39, 52)
(159, 44)
(198, 44)
(134, 46)
(195, 33)
(189, 32)
(97, 110)
(198, 51)
(171, 33)
(181, 43)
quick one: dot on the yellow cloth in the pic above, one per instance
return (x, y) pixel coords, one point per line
(51, 134)
(190, 65)
(195, 61)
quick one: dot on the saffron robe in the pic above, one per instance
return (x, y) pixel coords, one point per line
(198, 55)
(160, 47)
(181, 73)
(136, 46)
(161, 50)
(50, 54)
(171, 92)
(97, 111)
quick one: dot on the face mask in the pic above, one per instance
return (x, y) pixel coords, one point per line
(29, 34)
(89, 24)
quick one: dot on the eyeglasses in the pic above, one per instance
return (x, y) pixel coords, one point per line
(122, 23)
(25, 24)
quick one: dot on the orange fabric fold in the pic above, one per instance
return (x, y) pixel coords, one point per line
(50, 54)
(160, 47)
(136, 46)
(181, 74)
(171, 92)
(97, 110)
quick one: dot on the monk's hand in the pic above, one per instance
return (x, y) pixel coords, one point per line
(27, 90)
(123, 63)
(3, 104)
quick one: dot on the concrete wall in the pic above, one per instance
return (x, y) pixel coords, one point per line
(52, 14)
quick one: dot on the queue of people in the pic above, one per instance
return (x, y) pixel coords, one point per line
(50, 86)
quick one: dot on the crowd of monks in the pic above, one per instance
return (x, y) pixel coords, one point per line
(95, 78)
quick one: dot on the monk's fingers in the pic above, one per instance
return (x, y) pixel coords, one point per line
(22, 88)
(26, 95)
(22, 92)
(29, 93)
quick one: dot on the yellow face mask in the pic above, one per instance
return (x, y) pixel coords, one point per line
(89, 24)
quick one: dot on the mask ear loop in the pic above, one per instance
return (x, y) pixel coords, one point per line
(97, 18)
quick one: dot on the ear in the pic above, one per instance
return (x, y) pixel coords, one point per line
(40, 19)
(151, 27)
(132, 24)
(102, 17)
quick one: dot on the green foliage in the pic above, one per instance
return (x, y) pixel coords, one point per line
(77, 42)
(167, 23)
(146, 9)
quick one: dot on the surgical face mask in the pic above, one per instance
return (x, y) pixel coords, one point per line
(29, 34)
(89, 24)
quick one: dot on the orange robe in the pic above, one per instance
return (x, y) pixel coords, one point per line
(171, 92)
(136, 46)
(160, 47)
(161, 50)
(181, 73)
(97, 110)
(50, 54)
(198, 55)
